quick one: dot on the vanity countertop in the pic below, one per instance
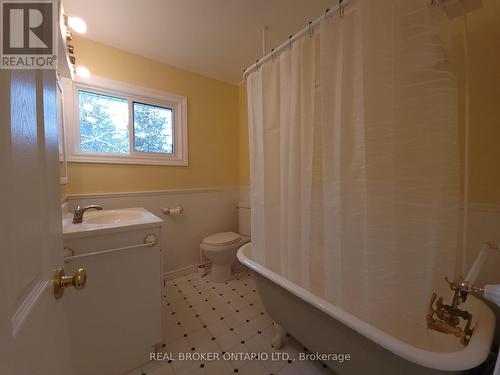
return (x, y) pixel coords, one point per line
(109, 221)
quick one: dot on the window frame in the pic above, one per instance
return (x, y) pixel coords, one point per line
(131, 93)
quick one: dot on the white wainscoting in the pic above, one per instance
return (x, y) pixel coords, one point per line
(206, 211)
(245, 194)
(484, 226)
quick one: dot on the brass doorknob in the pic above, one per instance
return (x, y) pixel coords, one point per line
(61, 281)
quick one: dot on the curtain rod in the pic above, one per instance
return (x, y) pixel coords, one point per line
(312, 25)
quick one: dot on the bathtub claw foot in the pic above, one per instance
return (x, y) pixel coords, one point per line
(277, 340)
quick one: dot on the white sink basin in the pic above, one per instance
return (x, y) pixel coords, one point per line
(108, 221)
(112, 217)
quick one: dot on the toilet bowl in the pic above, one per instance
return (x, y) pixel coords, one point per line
(220, 248)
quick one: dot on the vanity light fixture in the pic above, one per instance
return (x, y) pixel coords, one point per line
(82, 71)
(77, 24)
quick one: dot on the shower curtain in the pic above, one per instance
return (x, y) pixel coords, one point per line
(355, 169)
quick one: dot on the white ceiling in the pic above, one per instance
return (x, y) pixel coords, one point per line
(216, 38)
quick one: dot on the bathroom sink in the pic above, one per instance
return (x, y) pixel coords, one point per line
(112, 217)
(108, 221)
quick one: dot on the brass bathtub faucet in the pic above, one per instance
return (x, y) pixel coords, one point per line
(447, 318)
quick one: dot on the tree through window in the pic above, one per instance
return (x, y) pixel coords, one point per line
(153, 130)
(103, 123)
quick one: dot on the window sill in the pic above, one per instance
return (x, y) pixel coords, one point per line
(143, 160)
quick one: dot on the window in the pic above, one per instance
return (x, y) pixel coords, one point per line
(111, 122)
(103, 123)
(152, 129)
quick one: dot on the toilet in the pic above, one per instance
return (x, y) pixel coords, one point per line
(221, 248)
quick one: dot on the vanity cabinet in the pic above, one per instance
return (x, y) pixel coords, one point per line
(115, 321)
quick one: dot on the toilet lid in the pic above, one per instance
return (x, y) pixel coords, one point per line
(224, 238)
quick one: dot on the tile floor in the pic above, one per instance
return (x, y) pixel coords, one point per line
(223, 318)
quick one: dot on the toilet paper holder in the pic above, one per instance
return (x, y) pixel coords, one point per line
(171, 211)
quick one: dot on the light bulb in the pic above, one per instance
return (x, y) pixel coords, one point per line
(77, 24)
(82, 72)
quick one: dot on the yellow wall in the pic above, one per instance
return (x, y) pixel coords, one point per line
(484, 60)
(212, 127)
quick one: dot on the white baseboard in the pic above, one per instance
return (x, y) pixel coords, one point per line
(237, 267)
(184, 271)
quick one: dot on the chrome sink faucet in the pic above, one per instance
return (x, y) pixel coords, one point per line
(79, 211)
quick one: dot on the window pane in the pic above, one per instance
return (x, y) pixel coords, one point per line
(103, 123)
(153, 129)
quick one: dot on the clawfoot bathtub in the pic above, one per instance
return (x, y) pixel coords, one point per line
(325, 328)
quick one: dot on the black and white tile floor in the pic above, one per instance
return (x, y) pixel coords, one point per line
(224, 318)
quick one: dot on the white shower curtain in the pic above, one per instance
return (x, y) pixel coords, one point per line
(355, 173)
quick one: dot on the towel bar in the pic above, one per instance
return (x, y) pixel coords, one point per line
(149, 241)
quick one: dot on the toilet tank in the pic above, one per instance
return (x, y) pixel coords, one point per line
(244, 218)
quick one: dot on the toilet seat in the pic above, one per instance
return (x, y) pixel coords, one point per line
(222, 239)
